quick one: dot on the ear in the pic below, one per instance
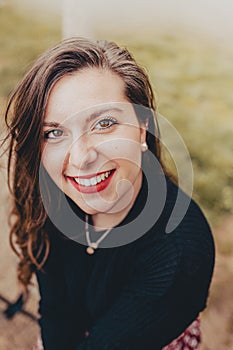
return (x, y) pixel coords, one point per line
(143, 130)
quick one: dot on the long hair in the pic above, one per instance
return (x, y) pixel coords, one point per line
(24, 118)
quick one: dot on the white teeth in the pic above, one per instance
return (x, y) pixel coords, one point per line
(87, 182)
(93, 180)
(81, 181)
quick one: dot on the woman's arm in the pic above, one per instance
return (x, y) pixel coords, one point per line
(56, 314)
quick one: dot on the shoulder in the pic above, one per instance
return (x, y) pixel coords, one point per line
(189, 244)
(195, 241)
(183, 257)
(191, 230)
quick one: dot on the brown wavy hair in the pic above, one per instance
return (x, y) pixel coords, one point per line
(24, 118)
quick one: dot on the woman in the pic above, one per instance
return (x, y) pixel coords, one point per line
(92, 201)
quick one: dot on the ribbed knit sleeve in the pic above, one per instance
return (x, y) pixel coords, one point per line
(164, 294)
(55, 314)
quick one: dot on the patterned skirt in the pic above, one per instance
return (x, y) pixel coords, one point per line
(190, 339)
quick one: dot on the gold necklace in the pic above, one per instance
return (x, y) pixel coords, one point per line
(92, 246)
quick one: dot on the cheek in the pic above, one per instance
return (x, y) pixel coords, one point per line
(129, 151)
(53, 161)
(126, 147)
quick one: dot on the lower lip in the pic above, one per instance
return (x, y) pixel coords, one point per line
(92, 189)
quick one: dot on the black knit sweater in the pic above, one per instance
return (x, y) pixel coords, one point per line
(137, 296)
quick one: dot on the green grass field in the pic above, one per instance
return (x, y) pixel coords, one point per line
(194, 91)
(193, 85)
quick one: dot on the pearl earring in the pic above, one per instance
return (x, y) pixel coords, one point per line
(144, 146)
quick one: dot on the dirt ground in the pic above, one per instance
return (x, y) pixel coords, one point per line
(216, 321)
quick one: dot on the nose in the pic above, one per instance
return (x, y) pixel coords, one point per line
(82, 153)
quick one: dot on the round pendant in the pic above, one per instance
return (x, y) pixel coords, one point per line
(90, 250)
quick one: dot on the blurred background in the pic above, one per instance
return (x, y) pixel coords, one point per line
(187, 49)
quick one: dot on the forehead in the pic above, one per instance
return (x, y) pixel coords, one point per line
(82, 90)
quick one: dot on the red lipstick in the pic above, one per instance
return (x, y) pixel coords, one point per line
(92, 188)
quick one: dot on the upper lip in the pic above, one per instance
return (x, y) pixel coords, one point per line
(89, 176)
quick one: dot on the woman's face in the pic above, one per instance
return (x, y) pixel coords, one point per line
(92, 141)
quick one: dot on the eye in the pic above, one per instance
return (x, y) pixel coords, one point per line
(105, 123)
(53, 134)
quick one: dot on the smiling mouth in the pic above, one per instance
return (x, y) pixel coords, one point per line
(92, 183)
(94, 180)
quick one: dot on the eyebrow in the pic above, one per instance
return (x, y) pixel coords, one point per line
(91, 117)
(52, 124)
(103, 110)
